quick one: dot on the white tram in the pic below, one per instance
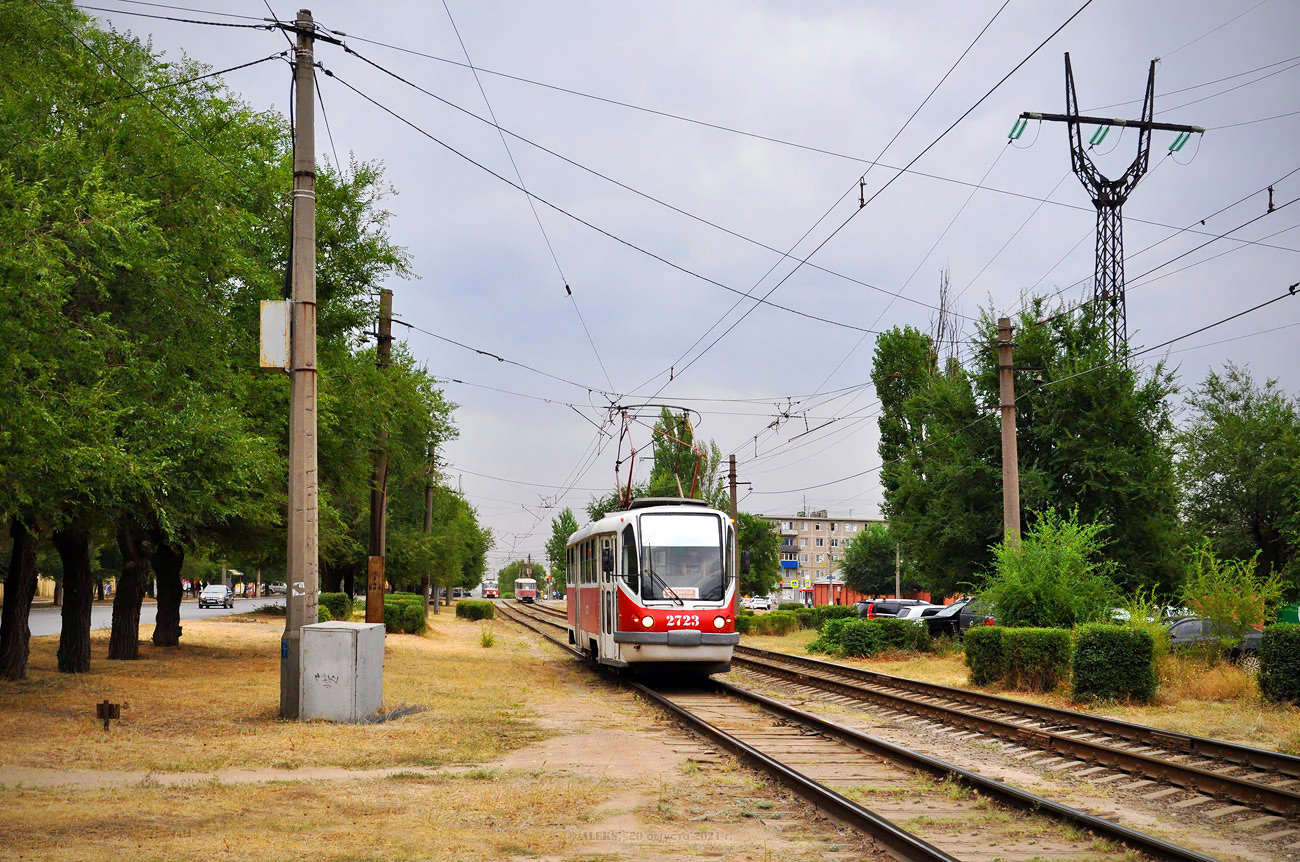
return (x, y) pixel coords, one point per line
(655, 585)
(526, 590)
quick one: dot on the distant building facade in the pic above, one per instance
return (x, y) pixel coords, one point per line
(812, 547)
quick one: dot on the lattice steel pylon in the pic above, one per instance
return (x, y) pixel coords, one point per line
(1108, 195)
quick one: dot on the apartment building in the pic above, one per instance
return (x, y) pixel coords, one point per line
(812, 547)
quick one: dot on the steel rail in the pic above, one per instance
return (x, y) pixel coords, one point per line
(1275, 799)
(1003, 792)
(1217, 749)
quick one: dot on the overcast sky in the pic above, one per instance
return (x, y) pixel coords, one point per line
(841, 77)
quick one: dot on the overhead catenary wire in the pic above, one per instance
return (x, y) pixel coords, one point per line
(174, 84)
(267, 27)
(550, 247)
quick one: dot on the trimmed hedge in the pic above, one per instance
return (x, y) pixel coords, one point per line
(774, 623)
(822, 613)
(323, 614)
(744, 623)
(789, 606)
(1112, 662)
(865, 638)
(1279, 660)
(829, 638)
(404, 613)
(1020, 658)
(414, 620)
(475, 609)
(339, 604)
(983, 646)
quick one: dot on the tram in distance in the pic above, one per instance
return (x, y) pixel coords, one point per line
(526, 590)
(490, 590)
(654, 587)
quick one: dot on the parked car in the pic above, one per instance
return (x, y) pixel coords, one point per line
(918, 613)
(959, 616)
(278, 589)
(1188, 632)
(216, 596)
(885, 607)
(760, 603)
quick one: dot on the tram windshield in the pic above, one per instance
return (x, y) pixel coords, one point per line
(682, 557)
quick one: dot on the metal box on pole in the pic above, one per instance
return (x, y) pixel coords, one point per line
(341, 674)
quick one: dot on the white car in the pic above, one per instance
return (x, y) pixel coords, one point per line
(216, 596)
(916, 613)
(760, 603)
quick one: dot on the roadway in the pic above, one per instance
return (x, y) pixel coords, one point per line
(47, 620)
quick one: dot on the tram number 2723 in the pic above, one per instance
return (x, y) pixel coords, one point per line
(692, 620)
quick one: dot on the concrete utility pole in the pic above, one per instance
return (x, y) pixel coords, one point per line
(731, 478)
(1010, 457)
(379, 481)
(428, 528)
(302, 559)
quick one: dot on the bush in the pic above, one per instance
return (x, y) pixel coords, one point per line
(1279, 659)
(1113, 662)
(1056, 576)
(339, 604)
(823, 613)
(790, 606)
(1229, 594)
(828, 639)
(984, 654)
(475, 609)
(1036, 659)
(323, 614)
(775, 623)
(413, 619)
(865, 638)
(745, 623)
(806, 617)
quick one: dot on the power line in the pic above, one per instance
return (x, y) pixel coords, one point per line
(1193, 86)
(182, 83)
(1252, 122)
(267, 27)
(189, 9)
(1216, 29)
(577, 218)
(531, 206)
(320, 97)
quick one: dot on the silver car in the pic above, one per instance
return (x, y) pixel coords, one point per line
(216, 596)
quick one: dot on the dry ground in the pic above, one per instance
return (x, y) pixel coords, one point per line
(1220, 701)
(521, 754)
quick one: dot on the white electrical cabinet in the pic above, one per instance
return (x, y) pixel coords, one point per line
(342, 671)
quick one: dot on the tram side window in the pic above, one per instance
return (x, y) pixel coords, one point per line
(590, 563)
(630, 571)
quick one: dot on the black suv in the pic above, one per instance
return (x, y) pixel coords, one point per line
(959, 616)
(885, 607)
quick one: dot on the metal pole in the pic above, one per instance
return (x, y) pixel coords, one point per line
(302, 559)
(898, 574)
(379, 481)
(731, 477)
(1010, 458)
(428, 528)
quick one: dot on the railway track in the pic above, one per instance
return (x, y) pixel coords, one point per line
(1211, 769)
(813, 756)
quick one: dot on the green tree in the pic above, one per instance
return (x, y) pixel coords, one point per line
(562, 526)
(1236, 595)
(759, 538)
(868, 564)
(511, 572)
(1239, 464)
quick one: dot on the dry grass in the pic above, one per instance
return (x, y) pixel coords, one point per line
(428, 818)
(214, 703)
(1219, 700)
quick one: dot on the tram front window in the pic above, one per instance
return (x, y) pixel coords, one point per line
(682, 558)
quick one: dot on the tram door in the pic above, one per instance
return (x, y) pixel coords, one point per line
(608, 595)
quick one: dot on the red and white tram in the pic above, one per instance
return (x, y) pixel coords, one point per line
(526, 590)
(655, 586)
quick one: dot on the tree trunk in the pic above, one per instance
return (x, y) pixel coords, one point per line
(20, 589)
(424, 591)
(433, 585)
(167, 561)
(331, 577)
(137, 552)
(350, 580)
(73, 544)
(99, 590)
(58, 594)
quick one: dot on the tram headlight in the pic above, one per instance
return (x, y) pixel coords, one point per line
(719, 622)
(647, 621)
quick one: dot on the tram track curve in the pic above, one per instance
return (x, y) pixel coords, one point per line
(899, 842)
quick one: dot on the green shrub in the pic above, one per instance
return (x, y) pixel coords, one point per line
(859, 638)
(823, 613)
(774, 623)
(745, 623)
(1055, 576)
(984, 656)
(806, 617)
(323, 614)
(1036, 659)
(1279, 659)
(1146, 613)
(1230, 594)
(339, 604)
(789, 606)
(413, 619)
(475, 609)
(1112, 662)
(902, 634)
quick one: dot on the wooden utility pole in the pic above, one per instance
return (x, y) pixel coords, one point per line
(1010, 458)
(379, 480)
(302, 559)
(731, 479)
(428, 529)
